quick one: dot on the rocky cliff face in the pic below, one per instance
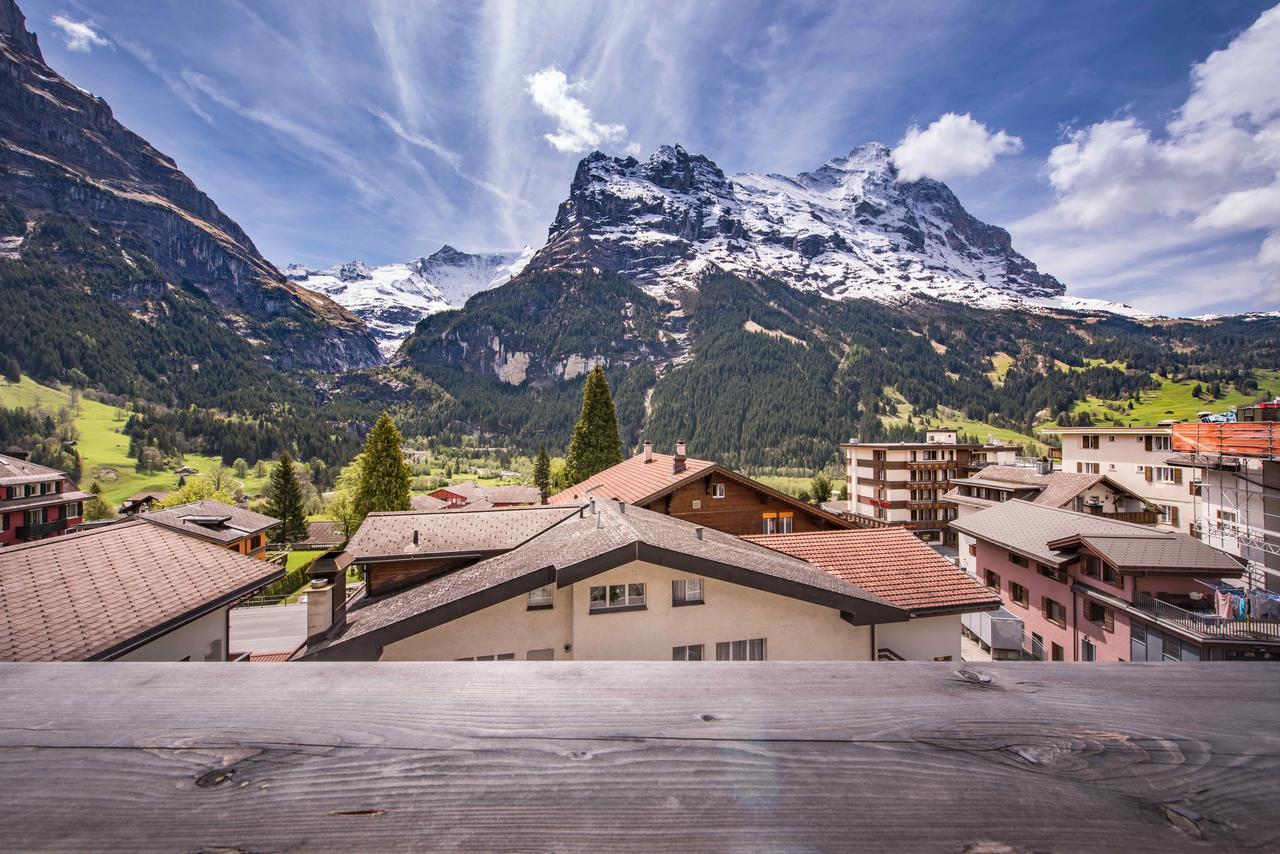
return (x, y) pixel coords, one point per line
(62, 150)
(849, 229)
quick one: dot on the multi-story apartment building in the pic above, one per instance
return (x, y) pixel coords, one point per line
(35, 501)
(1041, 484)
(1235, 495)
(1137, 458)
(903, 483)
(1094, 589)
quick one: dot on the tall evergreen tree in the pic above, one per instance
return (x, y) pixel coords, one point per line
(384, 474)
(286, 501)
(542, 471)
(595, 444)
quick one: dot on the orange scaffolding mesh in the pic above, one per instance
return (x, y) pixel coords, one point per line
(1241, 439)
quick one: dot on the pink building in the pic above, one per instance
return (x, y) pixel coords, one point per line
(1095, 589)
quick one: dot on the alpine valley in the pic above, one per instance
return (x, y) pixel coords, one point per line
(763, 318)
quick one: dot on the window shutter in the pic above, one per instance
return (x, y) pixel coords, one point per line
(1079, 466)
(1177, 475)
(1147, 442)
(1108, 620)
(1149, 473)
(1173, 516)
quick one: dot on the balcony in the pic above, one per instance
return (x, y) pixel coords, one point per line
(44, 529)
(931, 464)
(1207, 624)
(1138, 517)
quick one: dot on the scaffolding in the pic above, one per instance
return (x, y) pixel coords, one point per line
(1245, 518)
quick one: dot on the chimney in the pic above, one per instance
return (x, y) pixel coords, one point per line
(648, 451)
(622, 507)
(327, 596)
(415, 536)
(319, 609)
(1045, 466)
(677, 462)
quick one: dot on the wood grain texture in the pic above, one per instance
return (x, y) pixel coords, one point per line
(610, 756)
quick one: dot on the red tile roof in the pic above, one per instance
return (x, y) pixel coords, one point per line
(631, 480)
(889, 562)
(95, 593)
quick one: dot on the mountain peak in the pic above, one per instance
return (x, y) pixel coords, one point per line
(13, 25)
(848, 229)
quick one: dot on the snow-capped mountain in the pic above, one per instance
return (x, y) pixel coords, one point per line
(848, 229)
(392, 298)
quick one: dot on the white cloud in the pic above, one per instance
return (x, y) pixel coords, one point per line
(576, 130)
(954, 146)
(1210, 174)
(79, 35)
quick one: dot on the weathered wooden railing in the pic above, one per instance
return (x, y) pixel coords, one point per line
(878, 756)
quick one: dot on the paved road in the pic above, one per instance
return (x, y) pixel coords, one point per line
(270, 628)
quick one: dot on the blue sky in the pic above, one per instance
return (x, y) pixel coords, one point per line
(1132, 149)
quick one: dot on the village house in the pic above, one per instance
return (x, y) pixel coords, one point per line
(902, 483)
(1090, 588)
(469, 495)
(896, 566)
(123, 592)
(233, 528)
(141, 502)
(36, 501)
(1041, 484)
(603, 580)
(1137, 458)
(702, 492)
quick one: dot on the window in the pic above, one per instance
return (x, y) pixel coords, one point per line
(503, 656)
(617, 597)
(1110, 575)
(717, 490)
(692, 652)
(1051, 572)
(1228, 516)
(1088, 468)
(778, 523)
(542, 598)
(697, 504)
(1090, 566)
(1161, 443)
(686, 591)
(1054, 612)
(741, 650)
(1056, 652)
(1019, 594)
(1017, 560)
(541, 655)
(72, 511)
(1101, 615)
(1089, 443)
(993, 580)
(973, 550)
(1162, 474)
(1088, 650)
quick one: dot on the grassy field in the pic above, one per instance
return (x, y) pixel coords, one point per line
(953, 420)
(104, 449)
(1173, 400)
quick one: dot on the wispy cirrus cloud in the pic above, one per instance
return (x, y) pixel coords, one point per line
(79, 35)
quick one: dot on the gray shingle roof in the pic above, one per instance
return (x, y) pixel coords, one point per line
(239, 523)
(1028, 529)
(84, 595)
(14, 470)
(390, 535)
(582, 543)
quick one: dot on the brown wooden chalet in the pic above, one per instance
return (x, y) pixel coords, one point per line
(703, 492)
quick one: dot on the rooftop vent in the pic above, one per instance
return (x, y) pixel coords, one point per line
(698, 532)
(208, 521)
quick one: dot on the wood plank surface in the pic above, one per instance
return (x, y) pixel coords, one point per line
(655, 756)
